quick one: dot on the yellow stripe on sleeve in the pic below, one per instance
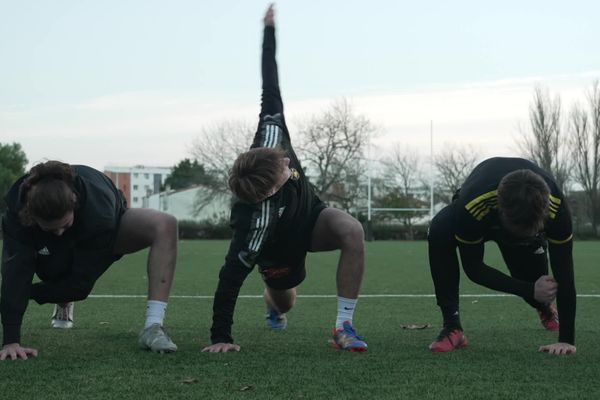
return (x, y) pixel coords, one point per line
(481, 198)
(468, 241)
(554, 241)
(555, 200)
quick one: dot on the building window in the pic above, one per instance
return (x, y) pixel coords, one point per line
(147, 176)
(135, 174)
(135, 187)
(135, 199)
(157, 182)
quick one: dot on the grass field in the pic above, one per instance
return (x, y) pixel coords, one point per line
(99, 358)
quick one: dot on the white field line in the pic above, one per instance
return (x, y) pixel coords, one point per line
(314, 296)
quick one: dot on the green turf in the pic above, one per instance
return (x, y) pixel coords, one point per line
(99, 359)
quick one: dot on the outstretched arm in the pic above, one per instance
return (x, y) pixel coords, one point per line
(560, 238)
(18, 268)
(231, 278)
(271, 97)
(272, 130)
(17, 273)
(270, 16)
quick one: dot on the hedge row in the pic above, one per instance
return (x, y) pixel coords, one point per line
(221, 230)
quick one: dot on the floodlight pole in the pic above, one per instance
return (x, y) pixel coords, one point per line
(369, 198)
(431, 182)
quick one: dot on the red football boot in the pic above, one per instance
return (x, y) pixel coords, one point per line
(549, 318)
(448, 340)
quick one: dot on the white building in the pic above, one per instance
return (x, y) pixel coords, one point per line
(182, 204)
(138, 182)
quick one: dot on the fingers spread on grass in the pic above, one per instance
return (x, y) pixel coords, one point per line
(221, 348)
(31, 352)
(558, 348)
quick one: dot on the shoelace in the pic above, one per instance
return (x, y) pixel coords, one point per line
(62, 313)
(445, 333)
(548, 315)
(272, 314)
(549, 318)
(164, 332)
(349, 329)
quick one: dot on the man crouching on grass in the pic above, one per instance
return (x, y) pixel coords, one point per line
(68, 224)
(276, 220)
(518, 205)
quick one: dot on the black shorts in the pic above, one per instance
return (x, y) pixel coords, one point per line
(282, 263)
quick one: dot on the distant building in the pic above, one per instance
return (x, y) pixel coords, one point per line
(182, 204)
(138, 182)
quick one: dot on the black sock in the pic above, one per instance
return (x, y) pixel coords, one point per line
(451, 317)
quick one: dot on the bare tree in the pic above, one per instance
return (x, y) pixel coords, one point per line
(216, 148)
(402, 168)
(402, 178)
(544, 143)
(585, 151)
(332, 151)
(453, 166)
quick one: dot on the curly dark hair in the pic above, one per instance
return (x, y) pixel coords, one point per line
(523, 201)
(48, 192)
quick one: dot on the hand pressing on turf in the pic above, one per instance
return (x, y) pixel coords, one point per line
(15, 351)
(558, 348)
(545, 289)
(221, 348)
(270, 16)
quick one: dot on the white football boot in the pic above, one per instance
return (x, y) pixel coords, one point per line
(156, 339)
(63, 316)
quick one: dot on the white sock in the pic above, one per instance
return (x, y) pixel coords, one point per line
(155, 312)
(345, 311)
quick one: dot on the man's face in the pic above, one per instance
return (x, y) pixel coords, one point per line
(57, 227)
(518, 231)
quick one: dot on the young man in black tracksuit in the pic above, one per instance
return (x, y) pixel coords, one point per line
(276, 219)
(67, 224)
(519, 206)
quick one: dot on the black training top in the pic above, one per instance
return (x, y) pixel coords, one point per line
(83, 252)
(260, 228)
(477, 215)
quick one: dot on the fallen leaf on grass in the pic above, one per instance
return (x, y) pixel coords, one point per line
(415, 326)
(245, 388)
(189, 381)
(475, 301)
(104, 323)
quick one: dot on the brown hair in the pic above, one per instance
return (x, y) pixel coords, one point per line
(255, 173)
(523, 200)
(47, 192)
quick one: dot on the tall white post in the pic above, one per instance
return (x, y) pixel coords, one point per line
(369, 197)
(431, 181)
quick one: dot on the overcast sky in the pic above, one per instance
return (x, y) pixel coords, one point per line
(133, 82)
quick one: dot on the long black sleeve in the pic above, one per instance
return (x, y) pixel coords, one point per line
(18, 268)
(561, 262)
(482, 274)
(248, 225)
(271, 103)
(231, 279)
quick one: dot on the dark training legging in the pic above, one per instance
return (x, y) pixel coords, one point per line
(522, 261)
